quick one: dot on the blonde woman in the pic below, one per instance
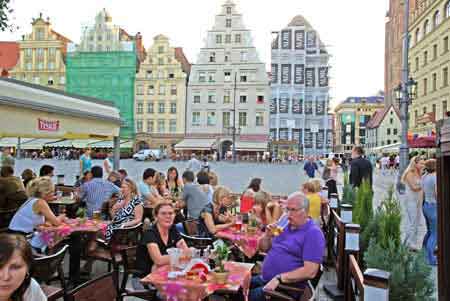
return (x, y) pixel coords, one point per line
(412, 200)
(214, 216)
(213, 179)
(35, 212)
(265, 209)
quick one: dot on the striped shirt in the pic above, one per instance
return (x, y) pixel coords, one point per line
(95, 192)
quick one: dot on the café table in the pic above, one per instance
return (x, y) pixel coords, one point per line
(183, 289)
(66, 203)
(245, 241)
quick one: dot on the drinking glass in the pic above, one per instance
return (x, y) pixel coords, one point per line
(238, 224)
(97, 215)
(280, 225)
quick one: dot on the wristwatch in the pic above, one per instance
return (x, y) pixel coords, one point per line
(278, 277)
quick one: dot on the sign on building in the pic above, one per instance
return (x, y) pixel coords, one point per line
(323, 76)
(310, 77)
(299, 74)
(299, 39)
(285, 73)
(286, 39)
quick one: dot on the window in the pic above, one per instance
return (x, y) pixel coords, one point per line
(228, 10)
(40, 65)
(151, 90)
(417, 63)
(444, 108)
(162, 90)
(243, 56)
(389, 141)
(148, 74)
(445, 44)
(160, 61)
(260, 99)
(173, 90)
(99, 38)
(395, 131)
(243, 98)
(138, 125)
(211, 77)
(227, 76)
(172, 125)
(140, 108)
(436, 18)
(228, 23)
(212, 57)
(171, 75)
(202, 77)
(161, 49)
(227, 38)
(259, 119)
(416, 114)
(426, 27)
(150, 107)
(226, 57)
(173, 107)
(51, 65)
(211, 119)
(28, 52)
(445, 77)
(447, 10)
(211, 97)
(242, 119)
(424, 110)
(434, 81)
(425, 86)
(226, 118)
(52, 51)
(237, 38)
(388, 131)
(218, 39)
(435, 51)
(161, 107)
(418, 36)
(195, 118)
(161, 125)
(150, 125)
(28, 66)
(227, 97)
(243, 77)
(196, 98)
(433, 108)
(425, 58)
(161, 74)
(40, 52)
(391, 121)
(139, 90)
(40, 34)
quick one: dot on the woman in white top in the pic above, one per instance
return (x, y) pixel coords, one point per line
(108, 164)
(35, 211)
(16, 258)
(412, 200)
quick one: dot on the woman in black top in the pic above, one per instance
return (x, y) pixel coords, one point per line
(161, 235)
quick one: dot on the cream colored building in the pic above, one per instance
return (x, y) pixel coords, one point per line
(160, 96)
(42, 56)
(384, 128)
(429, 61)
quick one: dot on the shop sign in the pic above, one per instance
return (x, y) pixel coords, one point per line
(48, 125)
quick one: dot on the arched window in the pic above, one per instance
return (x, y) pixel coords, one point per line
(436, 18)
(447, 9)
(418, 36)
(426, 27)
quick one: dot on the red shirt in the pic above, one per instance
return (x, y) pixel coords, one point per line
(246, 203)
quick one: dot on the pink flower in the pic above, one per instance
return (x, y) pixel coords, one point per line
(173, 289)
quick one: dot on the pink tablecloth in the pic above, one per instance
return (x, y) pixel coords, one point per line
(247, 243)
(53, 235)
(183, 289)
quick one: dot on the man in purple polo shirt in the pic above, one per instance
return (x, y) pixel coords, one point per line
(295, 255)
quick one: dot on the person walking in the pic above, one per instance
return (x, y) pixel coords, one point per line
(412, 200)
(430, 209)
(108, 163)
(360, 168)
(194, 165)
(85, 161)
(310, 167)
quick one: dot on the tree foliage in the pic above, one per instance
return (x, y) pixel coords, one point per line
(5, 15)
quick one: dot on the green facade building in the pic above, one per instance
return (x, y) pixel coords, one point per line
(108, 76)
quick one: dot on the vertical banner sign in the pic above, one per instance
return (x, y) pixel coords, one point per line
(284, 104)
(311, 39)
(308, 139)
(299, 39)
(284, 134)
(48, 125)
(320, 139)
(323, 76)
(297, 104)
(273, 106)
(299, 74)
(285, 73)
(310, 77)
(286, 39)
(275, 42)
(320, 107)
(308, 107)
(329, 138)
(274, 73)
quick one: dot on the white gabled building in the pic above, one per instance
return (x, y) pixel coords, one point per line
(228, 77)
(383, 129)
(299, 117)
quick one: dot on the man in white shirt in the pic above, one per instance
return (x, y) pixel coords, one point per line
(194, 165)
(384, 164)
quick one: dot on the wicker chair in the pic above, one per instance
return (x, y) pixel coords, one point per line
(191, 235)
(49, 268)
(98, 289)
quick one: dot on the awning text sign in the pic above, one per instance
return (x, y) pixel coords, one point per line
(48, 125)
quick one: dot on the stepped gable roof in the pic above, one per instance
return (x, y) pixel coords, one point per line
(185, 65)
(299, 20)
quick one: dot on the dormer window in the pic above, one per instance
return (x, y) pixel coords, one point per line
(212, 57)
(228, 10)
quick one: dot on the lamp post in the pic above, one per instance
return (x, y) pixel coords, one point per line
(404, 94)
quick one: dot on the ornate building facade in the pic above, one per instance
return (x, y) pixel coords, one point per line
(299, 118)
(160, 96)
(42, 55)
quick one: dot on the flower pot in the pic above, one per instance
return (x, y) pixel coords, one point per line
(221, 277)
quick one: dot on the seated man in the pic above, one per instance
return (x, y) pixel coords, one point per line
(301, 245)
(194, 199)
(12, 191)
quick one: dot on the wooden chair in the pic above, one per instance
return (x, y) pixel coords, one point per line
(49, 268)
(121, 238)
(102, 288)
(308, 293)
(128, 256)
(5, 218)
(192, 237)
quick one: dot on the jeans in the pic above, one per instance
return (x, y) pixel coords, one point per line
(257, 288)
(430, 212)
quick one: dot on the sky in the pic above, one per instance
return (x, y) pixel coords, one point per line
(353, 30)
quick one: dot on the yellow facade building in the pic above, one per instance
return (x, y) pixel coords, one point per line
(429, 61)
(160, 96)
(42, 56)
